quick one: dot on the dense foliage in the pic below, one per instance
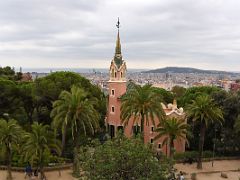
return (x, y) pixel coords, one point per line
(31, 103)
(65, 105)
(121, 159)
(224, 136)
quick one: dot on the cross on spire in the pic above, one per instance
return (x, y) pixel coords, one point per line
(118, 24)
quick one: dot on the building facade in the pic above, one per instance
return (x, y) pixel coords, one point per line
(117, 86)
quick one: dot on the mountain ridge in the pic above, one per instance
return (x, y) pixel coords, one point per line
(186, 70)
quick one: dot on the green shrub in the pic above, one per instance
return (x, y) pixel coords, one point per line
(207, 154)
(193, 176)
(191, 154)
(186, 155)
(17, 160)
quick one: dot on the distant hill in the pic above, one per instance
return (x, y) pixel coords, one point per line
(185, 70)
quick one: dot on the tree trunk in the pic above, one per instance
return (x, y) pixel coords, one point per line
(142, 126)
(201, 143)
(63, 139)
(171, 147)
(9, 163)
(76, 168)
(42, 174)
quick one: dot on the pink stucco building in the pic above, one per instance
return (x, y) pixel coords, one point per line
(117, 87)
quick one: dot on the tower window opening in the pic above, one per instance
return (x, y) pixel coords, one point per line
(113, 109)
(152, 128)
(151, 140)
(113, 92)
(159, 146)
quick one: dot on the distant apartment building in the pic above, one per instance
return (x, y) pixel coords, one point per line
(235, 86)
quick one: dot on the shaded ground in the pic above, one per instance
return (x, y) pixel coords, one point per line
(212, 173)
(52, 175)
(207, 173)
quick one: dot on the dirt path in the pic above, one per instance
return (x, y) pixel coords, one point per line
(218, 167)
(53, 175)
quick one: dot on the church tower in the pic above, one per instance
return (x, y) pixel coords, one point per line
(117, 87)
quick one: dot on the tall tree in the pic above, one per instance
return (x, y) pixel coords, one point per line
(143, 104)
(204, 110)
(39, 142)
(7, 73)
(167, 96)
(172, 129)
(193, 92)
(48, 89)
(9, 98)
(75, 110)
(28, 99)
(237, 124)
(178, 91)
(10, 134)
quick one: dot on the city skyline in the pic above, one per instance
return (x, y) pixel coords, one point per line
(80, 34)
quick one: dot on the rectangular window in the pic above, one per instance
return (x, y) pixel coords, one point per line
(112, 108)
(151, 140)
(112, 131)
(152, 128)
(136, 129)
(113, 92)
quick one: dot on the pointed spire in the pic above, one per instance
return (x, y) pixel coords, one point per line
(118, 44)
(118, 54)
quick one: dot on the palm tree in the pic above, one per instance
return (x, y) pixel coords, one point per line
(38, 144)
(75, 110)
(142, 103)
(237, 124)
(172, 129)
(10, 134)
(205, 111)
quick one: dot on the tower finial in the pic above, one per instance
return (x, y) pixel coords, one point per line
(118, 24)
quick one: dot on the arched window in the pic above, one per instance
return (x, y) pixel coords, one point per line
(115, 74)
(121, 74)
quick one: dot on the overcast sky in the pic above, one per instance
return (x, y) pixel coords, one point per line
(154, 33)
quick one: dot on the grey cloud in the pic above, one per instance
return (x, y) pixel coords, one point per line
(167, 32)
